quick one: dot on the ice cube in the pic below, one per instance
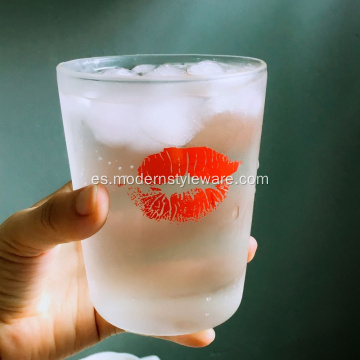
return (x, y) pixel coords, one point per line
(74, 106)
(172, 122)
(118, 72)
(167, 70)
(119, 125)
(148, 124)
(232, 70)
(206, 67)
(247, 101)
(143, 69)
(111, 124)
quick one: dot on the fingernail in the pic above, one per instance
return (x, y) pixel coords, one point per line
(252, 242)
(211, 335)
(203, 338)
(252, 248)
(86, 200)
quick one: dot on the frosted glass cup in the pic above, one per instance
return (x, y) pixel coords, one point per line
(177, 147)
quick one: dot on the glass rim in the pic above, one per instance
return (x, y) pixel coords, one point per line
(65, 68)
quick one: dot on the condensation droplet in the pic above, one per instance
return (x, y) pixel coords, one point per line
(119, 167)
(109, 162)
(208, 298)
(132, 166)
(207, 314)
(100, 158)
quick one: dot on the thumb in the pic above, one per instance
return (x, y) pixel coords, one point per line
(65, 216)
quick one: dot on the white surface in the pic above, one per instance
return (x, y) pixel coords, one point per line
(108, 355)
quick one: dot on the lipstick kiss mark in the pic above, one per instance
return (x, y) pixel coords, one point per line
(204, 163)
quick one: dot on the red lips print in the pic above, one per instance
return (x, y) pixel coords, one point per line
(204, 163)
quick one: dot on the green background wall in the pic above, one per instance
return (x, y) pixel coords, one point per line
(300, 299)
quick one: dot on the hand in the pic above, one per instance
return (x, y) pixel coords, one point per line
(45, 309)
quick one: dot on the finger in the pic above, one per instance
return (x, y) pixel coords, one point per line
(199, 339)
(66, 216)
(66, 188)
(252, 249)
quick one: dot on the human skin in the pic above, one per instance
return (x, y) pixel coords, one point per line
(45, 309)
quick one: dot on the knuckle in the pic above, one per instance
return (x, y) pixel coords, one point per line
(11, 240)
(48, 215)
